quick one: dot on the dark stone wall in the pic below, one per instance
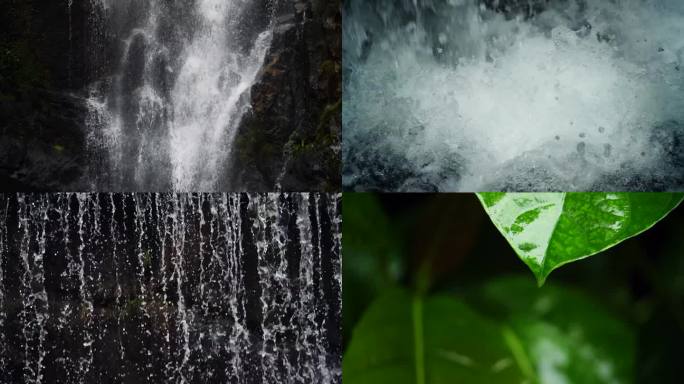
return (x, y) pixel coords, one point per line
(37, 50)
(42, 141)
(42, 117)
(291, 135)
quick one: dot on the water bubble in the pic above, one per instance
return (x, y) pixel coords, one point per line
(581, 147)
(607, 148)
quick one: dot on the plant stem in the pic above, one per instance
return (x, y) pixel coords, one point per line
(419, 348)
(518, 352)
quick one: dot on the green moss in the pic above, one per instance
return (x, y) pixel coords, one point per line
(320, 145)
(132, 306)
(147, 259)
(328, 68)
(255, 144)
(323, 139)
(7, 98)
(329, 112)
(58, 148)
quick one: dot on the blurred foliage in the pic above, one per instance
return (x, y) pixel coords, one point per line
(451, 342)
(371, 255)
(564, 333)
(614, 318)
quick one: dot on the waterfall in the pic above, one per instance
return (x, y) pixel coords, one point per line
(166, 116)
(189, 288)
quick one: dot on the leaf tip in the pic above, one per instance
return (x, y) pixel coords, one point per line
(539, 272)
(541, 279)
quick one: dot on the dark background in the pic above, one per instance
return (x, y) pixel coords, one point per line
(641, 280)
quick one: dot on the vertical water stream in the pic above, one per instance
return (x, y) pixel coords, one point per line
(166, 116)
(202, 288)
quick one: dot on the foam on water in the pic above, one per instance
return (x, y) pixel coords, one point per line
(575, 95)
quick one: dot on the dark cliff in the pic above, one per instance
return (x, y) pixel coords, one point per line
(42, 119)
(291, 135)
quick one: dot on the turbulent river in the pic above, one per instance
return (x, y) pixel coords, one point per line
(162, 288)
(472, 95)
(164, 112)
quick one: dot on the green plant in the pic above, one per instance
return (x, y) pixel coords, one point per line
(418, 317)
(548, 230)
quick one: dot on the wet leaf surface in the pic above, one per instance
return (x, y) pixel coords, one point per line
(548, 230)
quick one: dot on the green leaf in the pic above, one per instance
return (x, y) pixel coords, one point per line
(567, 337)
(548, 230)
(371, 254)
(404, 339)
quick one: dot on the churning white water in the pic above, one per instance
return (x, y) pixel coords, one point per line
(564, 94)
(164, 288)
(167, 117)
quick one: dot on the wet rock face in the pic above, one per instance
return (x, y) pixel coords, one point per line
(49, 37)
(290, 137)
(42, 132)
(254, 19)
(42, 142)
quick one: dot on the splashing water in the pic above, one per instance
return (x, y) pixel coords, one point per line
(170, 288)
(539, 95)
(167, 117)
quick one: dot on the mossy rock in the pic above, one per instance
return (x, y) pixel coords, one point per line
(330, 112)
(254, 144)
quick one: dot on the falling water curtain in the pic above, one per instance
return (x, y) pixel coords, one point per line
(239, 288)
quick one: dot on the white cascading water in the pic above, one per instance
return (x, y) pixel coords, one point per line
(202, 288)
(472, 95)
(167, 117)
